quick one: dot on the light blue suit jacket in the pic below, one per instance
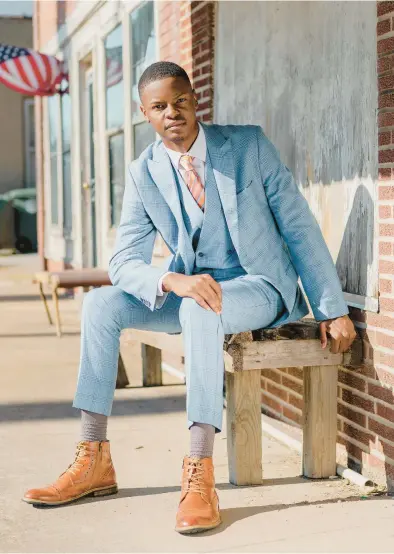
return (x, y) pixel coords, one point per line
(271, 226)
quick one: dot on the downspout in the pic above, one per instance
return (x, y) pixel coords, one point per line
(38, 116)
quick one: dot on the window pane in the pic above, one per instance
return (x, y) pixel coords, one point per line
(66, 122)
(144, 134)
(30, 124)
(143, 46)
(114, 78)
(116, 176)
(67, 194)
(31, 174)
(52, 112)
(54, 199)
(66, 161)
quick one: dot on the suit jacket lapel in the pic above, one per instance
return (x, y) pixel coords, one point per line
(221, 157)
(162, 174)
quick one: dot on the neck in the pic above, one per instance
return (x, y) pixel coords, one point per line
(185, 144)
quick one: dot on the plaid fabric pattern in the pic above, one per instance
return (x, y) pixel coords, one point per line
(270, 223)
(249, 302)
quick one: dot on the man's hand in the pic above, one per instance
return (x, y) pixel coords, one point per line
(342, 333)
(203, 288)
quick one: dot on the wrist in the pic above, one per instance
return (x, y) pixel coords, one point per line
(166, 284)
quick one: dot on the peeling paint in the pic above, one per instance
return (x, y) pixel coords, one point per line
(306, 72)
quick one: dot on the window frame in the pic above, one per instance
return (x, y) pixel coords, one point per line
(115, 130)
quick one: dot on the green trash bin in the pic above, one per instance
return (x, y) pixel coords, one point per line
(24, 202)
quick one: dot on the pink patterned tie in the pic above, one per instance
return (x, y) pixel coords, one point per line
(193, 180)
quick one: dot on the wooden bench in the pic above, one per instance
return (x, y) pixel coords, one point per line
(245, 356)
(68, 279)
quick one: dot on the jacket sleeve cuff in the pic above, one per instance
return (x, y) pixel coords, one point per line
(331, 308)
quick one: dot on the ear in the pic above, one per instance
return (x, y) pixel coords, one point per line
(195, 98)
(143, 111)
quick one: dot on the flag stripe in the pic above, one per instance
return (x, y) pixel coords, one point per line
(38, 68)
(28, 71)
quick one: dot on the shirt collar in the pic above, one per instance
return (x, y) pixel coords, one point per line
(198, 149)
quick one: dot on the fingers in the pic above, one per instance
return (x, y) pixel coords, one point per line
(210, 292)
(200, 300)
(323, 335)
(335, 345)
(339, 343)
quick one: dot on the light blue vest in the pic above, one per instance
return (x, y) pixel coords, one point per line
(208, 231)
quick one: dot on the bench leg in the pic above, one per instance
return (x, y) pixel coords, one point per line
(57, 313)
(244, 440)
(320, 421)
(121, 380)
(43, 298)
(151, 366)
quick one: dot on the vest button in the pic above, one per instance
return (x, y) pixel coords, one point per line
(201, 254)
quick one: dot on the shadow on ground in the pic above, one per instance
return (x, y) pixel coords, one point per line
(63, 410)
(229, 515)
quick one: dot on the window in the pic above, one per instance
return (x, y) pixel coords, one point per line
(66, 163)
(115, 119)
(116, 175)
(53, 144)
(143, 53)
(30, 143)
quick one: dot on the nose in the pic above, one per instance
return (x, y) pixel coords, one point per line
(171, 112)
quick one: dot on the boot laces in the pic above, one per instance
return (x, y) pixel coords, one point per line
(193, 480)
(77, 464)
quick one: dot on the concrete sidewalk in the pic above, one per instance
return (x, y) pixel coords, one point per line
(39, 430)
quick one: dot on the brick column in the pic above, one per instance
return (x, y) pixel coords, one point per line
(187, 38)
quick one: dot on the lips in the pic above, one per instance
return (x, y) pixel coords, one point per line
(177, 124)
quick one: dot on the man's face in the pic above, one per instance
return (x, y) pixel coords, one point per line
(170, 106)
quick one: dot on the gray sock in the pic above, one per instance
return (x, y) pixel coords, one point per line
(202, 437)
(94, 426)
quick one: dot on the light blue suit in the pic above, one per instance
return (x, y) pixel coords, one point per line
(258, 235)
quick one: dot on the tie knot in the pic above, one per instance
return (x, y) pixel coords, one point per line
(186, 162)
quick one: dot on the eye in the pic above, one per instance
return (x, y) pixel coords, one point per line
(181, 100)
(158, 107)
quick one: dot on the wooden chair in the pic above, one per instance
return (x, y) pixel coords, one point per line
(245, 356)
(68, 279)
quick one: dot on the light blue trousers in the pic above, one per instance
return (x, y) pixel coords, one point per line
(248, 302)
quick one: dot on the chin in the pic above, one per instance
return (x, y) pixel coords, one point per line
(176, 135)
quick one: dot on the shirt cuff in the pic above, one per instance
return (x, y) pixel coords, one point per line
(160, 291)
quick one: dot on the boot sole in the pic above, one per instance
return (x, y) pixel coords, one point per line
(196, 528)
(93, 492)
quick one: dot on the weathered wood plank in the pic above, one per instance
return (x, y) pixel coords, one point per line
(162, 341)
(244, 438)
(151, 366)
(121, 379)
(287, 353)
(320, 421)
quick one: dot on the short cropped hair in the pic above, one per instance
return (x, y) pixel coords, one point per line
(161, 70)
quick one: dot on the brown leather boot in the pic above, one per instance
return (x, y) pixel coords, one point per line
(199, 505)
(91, 473)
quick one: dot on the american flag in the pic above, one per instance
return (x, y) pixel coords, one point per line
(30, 72)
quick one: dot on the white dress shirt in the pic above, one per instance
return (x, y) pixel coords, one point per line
(199, 152)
